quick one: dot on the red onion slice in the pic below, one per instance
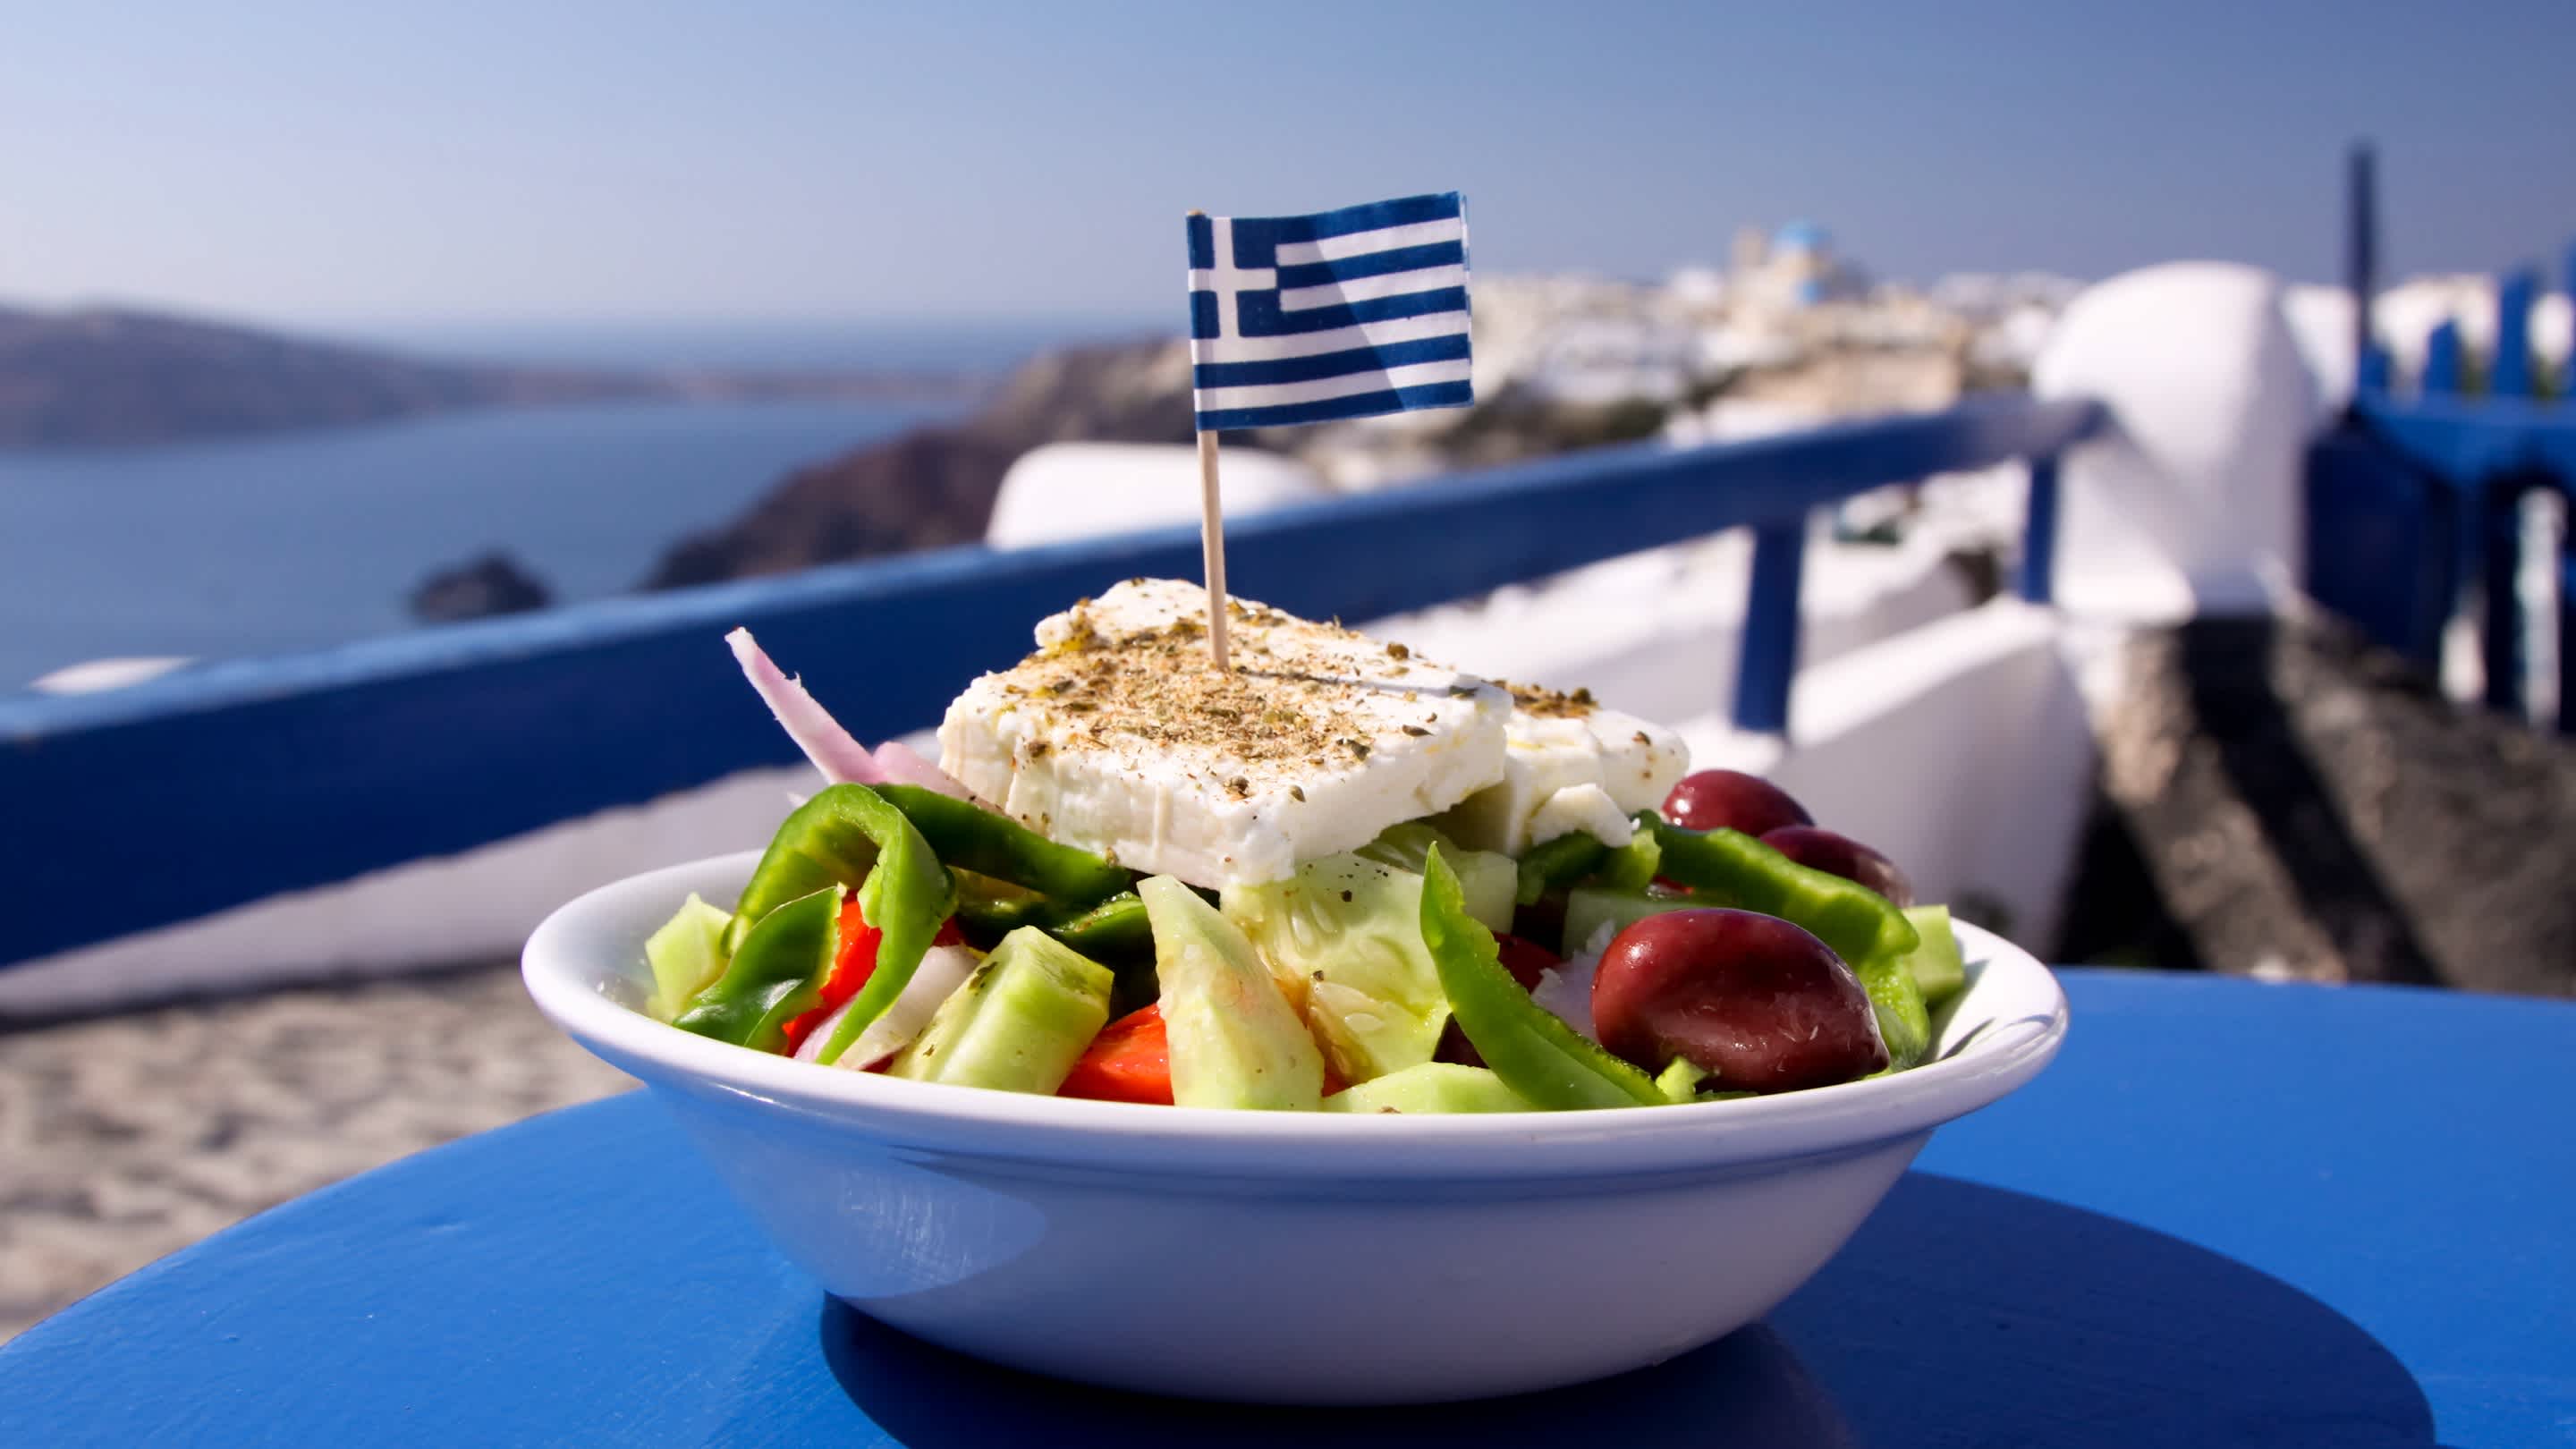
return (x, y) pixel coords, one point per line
(842, 759)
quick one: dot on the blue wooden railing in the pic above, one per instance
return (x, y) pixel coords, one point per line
(231, 782)
(2419, 496)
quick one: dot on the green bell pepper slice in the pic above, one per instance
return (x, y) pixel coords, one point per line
(1557, 864)
(1856, 923)
(1743, 872)
(969, 837)
(1535, 1053)
(836, 838)
(988, 910)
(849, 836)
(1117, 926)
(1633, 866)
(1904, 1020)
(987, 919)
(776, 974)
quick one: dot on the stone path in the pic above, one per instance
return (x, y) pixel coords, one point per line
(123, 1138)
(2302, 805)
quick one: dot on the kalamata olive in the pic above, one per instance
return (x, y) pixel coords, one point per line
(1542, 921)
(1732, 800)
(1751, 999)
(1838, 854)
(1525, 960)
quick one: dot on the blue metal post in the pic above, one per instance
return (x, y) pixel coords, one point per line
(2361, 267)
(2039, 532)
(2376, 375)
(2511, 375)
(2567, 378)
(2567, 627)
(2442, 361)
(2500, 630)
(2507, 661)
(1769, 661)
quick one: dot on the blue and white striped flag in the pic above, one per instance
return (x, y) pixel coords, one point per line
(1342, 314)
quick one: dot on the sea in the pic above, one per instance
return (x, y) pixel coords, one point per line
(298, 540)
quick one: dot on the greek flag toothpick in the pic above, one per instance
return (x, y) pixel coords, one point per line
(1306, 319)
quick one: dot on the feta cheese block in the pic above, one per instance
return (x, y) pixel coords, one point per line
(1119, 736)
(1569, 765)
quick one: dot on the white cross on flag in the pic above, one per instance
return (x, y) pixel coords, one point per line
(1341, 314)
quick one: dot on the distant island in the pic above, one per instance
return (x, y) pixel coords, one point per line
(103, 376)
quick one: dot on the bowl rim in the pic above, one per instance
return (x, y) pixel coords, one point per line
(568, 984)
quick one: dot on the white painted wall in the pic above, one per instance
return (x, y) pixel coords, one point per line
(1078, 490)
(2553, 328)
(2406, 314)
(2193, 505)
(1658, 633)
(2320, 321)
(1961, 749)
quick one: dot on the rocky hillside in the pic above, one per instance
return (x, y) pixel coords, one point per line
(934, 487)
(1560, 364)
(108, 376)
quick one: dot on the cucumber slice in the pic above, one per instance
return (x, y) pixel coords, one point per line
(1589, 908)
(1235, 1040)
(1488, 878)
(686, 954)
(1018, 1024)
(1939, 971)
(1491, 883)
(1345, 934)
(1680, 1080)
(1431, 1087)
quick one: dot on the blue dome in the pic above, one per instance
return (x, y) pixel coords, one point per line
(1800, 236)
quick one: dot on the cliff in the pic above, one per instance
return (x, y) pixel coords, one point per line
(109, 376)
(934, 487)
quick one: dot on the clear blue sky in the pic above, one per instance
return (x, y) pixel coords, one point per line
(600, 159)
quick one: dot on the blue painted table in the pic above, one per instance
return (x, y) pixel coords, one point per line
(2229, 1214)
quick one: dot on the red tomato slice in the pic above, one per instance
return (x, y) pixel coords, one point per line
(1130, 1061)
(851, 969)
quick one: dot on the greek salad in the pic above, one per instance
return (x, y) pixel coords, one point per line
(1336, 877)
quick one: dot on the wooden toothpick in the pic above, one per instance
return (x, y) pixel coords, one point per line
(1212, 547)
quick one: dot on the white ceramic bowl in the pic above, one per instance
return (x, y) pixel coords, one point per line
(1283, 1257)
